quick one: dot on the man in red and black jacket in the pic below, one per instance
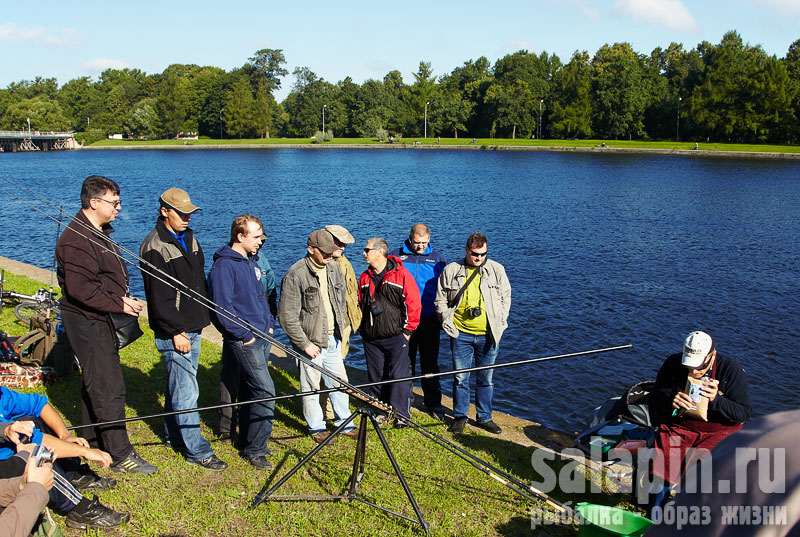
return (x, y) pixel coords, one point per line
(390, 302)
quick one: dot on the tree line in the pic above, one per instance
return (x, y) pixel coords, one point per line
(726, 92)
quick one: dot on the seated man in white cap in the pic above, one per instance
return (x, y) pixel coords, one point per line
(682, 438)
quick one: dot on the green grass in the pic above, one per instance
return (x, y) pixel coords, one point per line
(185, 500)
(480, 142)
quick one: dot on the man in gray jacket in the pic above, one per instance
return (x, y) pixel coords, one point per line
(473, 298)
(313, 313)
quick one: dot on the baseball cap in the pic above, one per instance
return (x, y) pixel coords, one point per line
(696, 348)
(179, 200)
(323, 240)
(341, 234)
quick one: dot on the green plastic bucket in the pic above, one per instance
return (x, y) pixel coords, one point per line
(602, 521)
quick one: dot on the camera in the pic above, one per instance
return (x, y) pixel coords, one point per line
(375, 307)
(474, 312)
(41, 455)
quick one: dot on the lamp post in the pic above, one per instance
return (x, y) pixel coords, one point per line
(29, 127)
(323, 120)
(540, 118)
(678, 120)
(220, 122)
(426, 118)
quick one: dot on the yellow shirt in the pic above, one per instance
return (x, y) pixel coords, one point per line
(469, 300)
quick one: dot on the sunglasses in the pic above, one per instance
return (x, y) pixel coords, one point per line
(368, 250)
(478, 254)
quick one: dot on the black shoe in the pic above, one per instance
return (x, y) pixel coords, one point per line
(212, 462)
(490, 426)
(134, 464)
(457, 427)
(260, 462)
(93, 514)
(436, 413)
(93, 482)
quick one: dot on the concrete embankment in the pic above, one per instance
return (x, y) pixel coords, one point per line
(520, 431)
(469, 147)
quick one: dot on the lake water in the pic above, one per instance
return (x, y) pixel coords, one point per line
(601, 249)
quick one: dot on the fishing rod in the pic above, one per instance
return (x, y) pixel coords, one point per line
(217, 309)
(323, 391)
(53, 270)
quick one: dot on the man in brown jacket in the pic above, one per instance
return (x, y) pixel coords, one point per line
(94, 282)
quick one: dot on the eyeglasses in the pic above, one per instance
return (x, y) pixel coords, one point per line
(368, 250)
(478, 254)
(116, 204)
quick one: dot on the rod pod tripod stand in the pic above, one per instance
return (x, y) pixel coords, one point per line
(367, 417)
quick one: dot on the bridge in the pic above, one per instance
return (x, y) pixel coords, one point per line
(13, 141)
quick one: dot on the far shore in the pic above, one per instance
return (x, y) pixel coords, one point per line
(617, 147)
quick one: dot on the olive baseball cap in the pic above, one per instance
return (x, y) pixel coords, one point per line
(179, 200)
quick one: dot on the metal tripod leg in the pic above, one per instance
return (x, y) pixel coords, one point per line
(356, 475)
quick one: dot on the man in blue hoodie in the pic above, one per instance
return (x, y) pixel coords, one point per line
(234, 286)
(425, 264)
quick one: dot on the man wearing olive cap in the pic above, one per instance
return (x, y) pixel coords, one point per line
(313, 313)
(177, 319)
(683, 439)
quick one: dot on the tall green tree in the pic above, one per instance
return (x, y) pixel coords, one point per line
(266, 68)
(571, 100)
(618, 92)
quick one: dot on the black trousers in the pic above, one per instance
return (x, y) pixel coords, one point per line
(388, 359)
(103, 389)
(426, 339)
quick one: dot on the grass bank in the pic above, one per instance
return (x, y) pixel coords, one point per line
(185, 500)
(464, 142)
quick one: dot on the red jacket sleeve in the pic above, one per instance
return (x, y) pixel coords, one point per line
(412, 300)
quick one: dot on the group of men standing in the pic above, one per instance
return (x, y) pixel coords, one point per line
(398, 305)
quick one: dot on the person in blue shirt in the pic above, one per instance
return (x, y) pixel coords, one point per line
(234, 285)
(425, 264)
(35, 419)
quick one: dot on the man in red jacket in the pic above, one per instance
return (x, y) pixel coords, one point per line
(390, 302)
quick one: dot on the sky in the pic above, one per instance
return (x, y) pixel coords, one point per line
(360, 39)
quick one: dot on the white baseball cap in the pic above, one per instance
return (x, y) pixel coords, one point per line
(696, 348)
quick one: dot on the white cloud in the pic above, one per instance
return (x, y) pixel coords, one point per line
(784, 7)
(12, 33)
(101, 64)
(670, 13)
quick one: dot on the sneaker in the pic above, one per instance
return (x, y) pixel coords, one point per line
(490, 426)
(212, 462)
(457, 427)
(134, 464)
(320, 436)
(260, 462)
(93, 482)
(352, 433)
(93, 514)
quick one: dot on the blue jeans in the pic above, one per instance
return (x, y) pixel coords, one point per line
(255, 420)
(182, 392)
(331, 359)
(464, 348)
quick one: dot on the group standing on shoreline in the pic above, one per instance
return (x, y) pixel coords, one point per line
(322, 304)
